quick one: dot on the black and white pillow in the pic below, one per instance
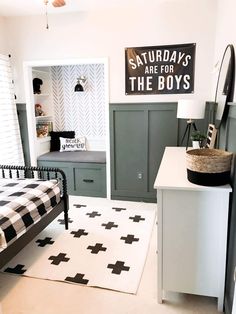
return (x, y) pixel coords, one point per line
(72, 144)
(55, 138)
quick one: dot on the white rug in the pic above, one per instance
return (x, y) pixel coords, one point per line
(106, 245)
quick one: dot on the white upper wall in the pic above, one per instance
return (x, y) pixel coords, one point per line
(225, 29)
(106, 33)
(3, 47)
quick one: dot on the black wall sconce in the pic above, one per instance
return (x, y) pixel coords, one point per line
(79, 87)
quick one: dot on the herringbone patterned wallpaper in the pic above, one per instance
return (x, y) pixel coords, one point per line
(82, 112)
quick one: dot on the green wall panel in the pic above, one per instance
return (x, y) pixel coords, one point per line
(21, 112)
(162, 132)
(139, 134)
(228, 141)
(129, 151)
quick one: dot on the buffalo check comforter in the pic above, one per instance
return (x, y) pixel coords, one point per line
(22, 203)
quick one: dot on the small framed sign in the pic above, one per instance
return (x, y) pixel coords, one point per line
(160, 69)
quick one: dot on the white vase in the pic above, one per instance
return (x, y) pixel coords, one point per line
(196, 144)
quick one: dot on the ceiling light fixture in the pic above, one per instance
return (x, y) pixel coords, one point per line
(56, 4)
(46, 13)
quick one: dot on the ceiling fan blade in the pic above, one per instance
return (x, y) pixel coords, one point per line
(58, 3)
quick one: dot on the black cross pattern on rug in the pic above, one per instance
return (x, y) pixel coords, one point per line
(10, 184)
(62, 221)
(136, 218)
(17, 194)
(79, 233)
(93, 214)
(109, 225)
(118, 267)
(56, 260)
(118, 209)
(2, 203)
(79, 205)
(78, 278)
(44, 242)
(18, 269)
(130, 239)
(96, 248)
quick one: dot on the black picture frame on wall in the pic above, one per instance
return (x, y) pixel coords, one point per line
(165, 69)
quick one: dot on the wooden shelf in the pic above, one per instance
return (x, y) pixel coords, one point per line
(40, 71)
(41, 95)
(39, 118)
(44, 139)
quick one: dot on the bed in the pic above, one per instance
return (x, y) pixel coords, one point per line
(30, 198)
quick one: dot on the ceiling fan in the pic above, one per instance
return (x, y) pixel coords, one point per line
(56, 4)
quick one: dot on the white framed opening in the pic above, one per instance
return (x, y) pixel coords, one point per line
(29, 67)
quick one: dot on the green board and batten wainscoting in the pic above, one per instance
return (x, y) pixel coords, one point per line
(227, 141)
(139, 133)
(21, 113)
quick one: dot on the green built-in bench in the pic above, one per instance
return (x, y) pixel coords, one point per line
(85, 170)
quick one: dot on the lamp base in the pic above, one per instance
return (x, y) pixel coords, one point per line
(190, 124)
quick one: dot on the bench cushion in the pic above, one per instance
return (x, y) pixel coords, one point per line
(78, 156)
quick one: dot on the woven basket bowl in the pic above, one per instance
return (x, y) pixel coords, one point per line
(208, 166)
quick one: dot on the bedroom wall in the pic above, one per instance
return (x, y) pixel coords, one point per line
(107, 33)
(225, 29)
(3, 46)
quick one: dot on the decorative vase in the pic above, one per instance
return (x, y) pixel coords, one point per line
(196, 144)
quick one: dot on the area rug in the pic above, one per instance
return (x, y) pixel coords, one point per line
(106, 245)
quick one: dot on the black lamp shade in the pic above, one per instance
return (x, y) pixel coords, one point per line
(79, 88)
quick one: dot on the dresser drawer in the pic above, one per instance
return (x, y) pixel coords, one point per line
(90, 180)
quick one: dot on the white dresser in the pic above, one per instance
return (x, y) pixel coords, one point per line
(192, 231)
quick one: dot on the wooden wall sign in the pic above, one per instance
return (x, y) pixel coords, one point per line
(160, 69)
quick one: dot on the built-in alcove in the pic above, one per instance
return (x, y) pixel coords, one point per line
(84, 112)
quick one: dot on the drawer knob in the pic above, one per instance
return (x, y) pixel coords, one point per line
(88, 180)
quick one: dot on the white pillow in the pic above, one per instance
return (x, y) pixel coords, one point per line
(72, 144)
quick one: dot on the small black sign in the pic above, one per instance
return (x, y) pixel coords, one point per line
(160, 69)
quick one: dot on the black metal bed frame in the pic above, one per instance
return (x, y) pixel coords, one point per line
(21, 172)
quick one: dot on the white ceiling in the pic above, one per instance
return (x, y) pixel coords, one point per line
(35, 7)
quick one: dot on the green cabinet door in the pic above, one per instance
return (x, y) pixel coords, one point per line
(130, 157)
(162, 132)
(90, 179)
(139, 135)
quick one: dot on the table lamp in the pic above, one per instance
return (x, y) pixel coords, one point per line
(190, 110)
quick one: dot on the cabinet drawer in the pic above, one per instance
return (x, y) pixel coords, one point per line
(90, 181)
(64, 167)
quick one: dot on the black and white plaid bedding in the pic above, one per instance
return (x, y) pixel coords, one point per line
(23, 203)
